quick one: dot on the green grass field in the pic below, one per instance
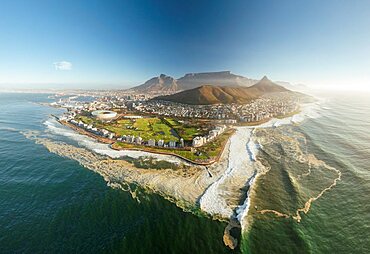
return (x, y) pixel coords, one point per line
(172, 122)
(168, 129)
(184, 131)
(147, 128)
(208, 152)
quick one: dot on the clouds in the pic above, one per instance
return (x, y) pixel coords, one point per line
(63, 66)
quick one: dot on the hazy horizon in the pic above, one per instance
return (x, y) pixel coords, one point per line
(127, 85)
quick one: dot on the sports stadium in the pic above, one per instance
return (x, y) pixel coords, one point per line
(104, 114)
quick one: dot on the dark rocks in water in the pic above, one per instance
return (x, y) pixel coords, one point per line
(232, 233)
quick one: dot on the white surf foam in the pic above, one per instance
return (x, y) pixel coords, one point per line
(54, 127)
(242, 211)
(252, 148)
(243, 151)
(212, 200)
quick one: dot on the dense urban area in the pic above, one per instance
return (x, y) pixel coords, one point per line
(137, 121)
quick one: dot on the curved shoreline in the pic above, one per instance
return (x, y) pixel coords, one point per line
(230, 175)
(112, 142)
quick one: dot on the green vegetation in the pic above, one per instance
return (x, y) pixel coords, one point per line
(206, 153)
(89, 120)
(188, 133)
(185, 131)
(168, 129)
(172, 122)
(147, 128)
(214, 148)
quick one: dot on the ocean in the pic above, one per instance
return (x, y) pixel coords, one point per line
(337, 222)
(50, 204)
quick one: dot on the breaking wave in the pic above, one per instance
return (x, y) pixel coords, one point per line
(54, 127)
(213, 200)
(242, 211)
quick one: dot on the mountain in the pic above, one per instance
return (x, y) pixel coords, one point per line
(167, 84)
(221, 78)
(206, 95)
(266, 86)
(161, 84)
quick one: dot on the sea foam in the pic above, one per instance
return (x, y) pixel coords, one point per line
(242, 211)
(213, 201)
(56, 128)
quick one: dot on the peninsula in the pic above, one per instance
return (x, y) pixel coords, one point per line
(196, 147)
(193, 125)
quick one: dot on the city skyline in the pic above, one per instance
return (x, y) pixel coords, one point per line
(119, 45)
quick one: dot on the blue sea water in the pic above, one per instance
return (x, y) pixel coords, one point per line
(339, 221)
(50, 204)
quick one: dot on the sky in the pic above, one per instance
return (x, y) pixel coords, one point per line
(117, 44)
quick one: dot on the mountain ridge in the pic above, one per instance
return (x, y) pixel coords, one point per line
(161, 83)
(168, 84)
(208, 94)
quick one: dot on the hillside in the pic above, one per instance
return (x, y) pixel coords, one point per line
(207, 94)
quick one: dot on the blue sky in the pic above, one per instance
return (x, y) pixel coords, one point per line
(120, 43)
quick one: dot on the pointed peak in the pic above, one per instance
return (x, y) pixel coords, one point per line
(265, 78)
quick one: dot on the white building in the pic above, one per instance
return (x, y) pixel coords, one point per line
(138, 140)
(172, 144)
(151, 142)
(197, 141)
(160, 142)
(105, 132)
(132, 117)
(130, 139)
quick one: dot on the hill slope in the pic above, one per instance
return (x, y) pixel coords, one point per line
(207, 94)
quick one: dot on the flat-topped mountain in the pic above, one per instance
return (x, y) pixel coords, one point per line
(167, 84)
(221, 78)
(205, 95)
